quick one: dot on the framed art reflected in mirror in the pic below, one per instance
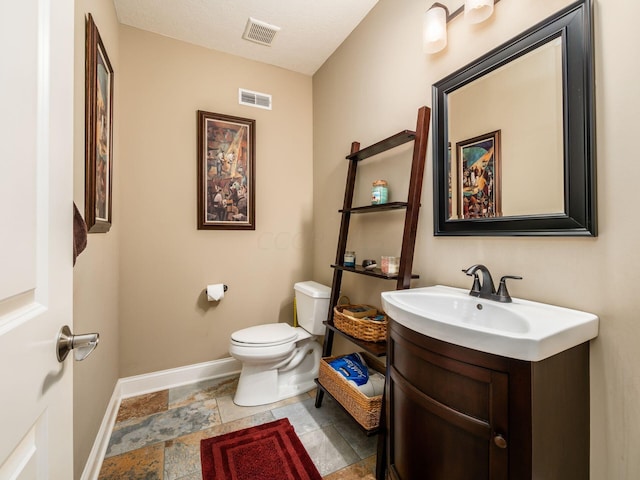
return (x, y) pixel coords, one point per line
(478, 173)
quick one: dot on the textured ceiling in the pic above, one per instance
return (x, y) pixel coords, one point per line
(311, 30)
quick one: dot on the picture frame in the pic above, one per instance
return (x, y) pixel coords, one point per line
(226, 172)
(449, 184)
(98, 132)
(479, 179)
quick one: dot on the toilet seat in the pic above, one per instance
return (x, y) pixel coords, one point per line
(268, 335)
(271, 342)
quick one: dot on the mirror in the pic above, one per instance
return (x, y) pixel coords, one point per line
(514, 139)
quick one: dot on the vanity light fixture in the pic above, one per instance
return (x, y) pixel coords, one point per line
(434, 27)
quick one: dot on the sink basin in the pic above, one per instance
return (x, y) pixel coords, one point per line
(522, 329)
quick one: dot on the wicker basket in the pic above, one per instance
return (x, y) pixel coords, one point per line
(365, 410)
(360, 328)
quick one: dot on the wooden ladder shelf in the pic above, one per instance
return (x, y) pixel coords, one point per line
(412, 206)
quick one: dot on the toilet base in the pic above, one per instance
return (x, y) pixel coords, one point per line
(260, 385)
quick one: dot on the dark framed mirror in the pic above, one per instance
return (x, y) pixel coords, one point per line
(514, 135)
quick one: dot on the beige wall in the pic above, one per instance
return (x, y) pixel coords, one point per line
(372, 86)
(95, 275)
(165, 262)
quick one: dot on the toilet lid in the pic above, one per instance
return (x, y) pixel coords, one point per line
(269, 334)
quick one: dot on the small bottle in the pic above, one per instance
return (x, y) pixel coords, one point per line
(349, 259)
(379, 192)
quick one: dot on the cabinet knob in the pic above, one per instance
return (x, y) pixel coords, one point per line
(500, 441)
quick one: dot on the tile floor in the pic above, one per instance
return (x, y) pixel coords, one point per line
(157, 436)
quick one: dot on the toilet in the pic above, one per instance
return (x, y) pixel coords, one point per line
(280, 361)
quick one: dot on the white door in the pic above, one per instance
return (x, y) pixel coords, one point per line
(36, 210)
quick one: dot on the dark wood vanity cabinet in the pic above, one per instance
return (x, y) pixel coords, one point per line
(459, 414)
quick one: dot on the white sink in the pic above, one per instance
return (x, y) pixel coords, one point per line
(522, 329)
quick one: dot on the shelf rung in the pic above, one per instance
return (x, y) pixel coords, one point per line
(376, 208)
(383, 145)
(376, 272)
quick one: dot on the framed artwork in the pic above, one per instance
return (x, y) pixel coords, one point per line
(226, 172)
(98, 132)
(449, 186)
(479, 177)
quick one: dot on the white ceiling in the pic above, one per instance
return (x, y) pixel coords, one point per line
(311, 30)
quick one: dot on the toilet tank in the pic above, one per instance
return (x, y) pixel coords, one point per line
(312, 303)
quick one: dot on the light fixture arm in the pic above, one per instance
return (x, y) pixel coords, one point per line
(455, 13)
(450, 16)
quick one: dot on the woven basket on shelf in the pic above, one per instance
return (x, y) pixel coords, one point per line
(360, 328)
(365, 410)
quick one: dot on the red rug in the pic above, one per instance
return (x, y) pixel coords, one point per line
(271, 451)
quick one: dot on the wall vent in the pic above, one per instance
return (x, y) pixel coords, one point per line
(254, 99)
(260, 32)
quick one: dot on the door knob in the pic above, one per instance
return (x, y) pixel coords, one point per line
(82, 345)
(500, 441)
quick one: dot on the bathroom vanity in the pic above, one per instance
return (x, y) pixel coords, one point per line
(481, 389)
(457, 414)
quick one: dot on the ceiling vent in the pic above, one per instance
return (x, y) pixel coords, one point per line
(254, 99)
(260, 32)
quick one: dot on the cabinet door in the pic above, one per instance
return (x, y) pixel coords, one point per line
(448, 419)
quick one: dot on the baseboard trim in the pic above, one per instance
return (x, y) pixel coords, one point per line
(176, 377)
(147, 383)
(100, 444)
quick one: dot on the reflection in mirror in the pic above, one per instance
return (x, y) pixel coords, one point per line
(521, 172)
(514, 142)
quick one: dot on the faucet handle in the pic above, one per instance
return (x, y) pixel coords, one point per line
(503, 293)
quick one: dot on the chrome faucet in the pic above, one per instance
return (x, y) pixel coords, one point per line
(486, 289)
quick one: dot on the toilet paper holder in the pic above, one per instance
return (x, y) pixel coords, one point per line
(215, 292)
(224, 287)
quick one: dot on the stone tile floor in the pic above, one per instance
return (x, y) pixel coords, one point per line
(157, 435)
